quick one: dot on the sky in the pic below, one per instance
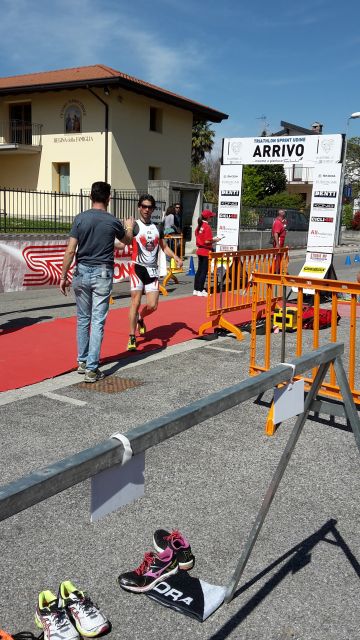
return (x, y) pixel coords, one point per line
(259, 62)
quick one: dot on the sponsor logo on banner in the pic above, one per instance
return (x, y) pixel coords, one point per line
(44, 263)
(230, 203)
(320, 219)
(324, 205)
(233, 216)
(319, 257)
(325, 194)
(229, 192)
(313, 269)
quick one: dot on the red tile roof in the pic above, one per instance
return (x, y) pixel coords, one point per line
(100, 75)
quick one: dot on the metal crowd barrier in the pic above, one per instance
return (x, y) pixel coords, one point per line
(42, 484)
(229, 280)
(176, 243)
(320, 289)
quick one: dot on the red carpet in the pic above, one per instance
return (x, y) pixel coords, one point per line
(34, 353)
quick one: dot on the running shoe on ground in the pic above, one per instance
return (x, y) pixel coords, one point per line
(174, 540)
(196, 293)
(81, 367)
(141, 326)
(94, 376)
(131, 344)
(153, 569)
(203, 293)
(86, 616)
(52, 619)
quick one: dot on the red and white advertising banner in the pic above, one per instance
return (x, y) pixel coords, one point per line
(38, 264)
(325, 205)
(304, 150)
(228, 221)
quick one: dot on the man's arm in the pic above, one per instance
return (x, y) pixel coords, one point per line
(68, 258)
(129, 231)
(276, 240)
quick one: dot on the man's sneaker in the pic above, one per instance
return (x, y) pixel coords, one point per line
(86, 616)
(81, 367)
(174, 540)
(196, 293)
(203, 293)
(141, 326)
(153, 569)
(131, 344)
(53, 619)
(93, 376)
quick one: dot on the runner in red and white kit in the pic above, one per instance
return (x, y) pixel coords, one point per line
(144, 274)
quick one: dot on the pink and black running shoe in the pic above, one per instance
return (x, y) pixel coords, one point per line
(174, 540)
(154, 568)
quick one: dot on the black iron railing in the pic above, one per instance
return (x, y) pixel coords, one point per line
(20, 132)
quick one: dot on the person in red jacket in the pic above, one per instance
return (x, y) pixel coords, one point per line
(278, 234)
(204, 242)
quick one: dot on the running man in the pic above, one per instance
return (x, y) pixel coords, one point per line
(144, 274)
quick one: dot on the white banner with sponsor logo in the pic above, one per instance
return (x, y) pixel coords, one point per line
(325, 204)
(229, 208)
(38, 263)
(304, 150)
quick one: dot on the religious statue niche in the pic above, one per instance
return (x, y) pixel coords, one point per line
(72, 119)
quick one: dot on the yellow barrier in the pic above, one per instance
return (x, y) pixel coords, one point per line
(309, 338)
(176, 243)
(229, 283)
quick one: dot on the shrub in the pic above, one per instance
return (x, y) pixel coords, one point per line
(355, 223)
(347, 216)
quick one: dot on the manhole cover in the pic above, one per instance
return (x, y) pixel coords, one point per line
(111, 384)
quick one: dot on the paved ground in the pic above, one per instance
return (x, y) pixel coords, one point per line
(302, 580)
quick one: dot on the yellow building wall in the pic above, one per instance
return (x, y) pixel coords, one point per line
(132, 147)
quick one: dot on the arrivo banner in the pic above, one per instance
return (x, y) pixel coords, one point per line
(228, 221)
(325, 205)
(38, 264)
(283, 150)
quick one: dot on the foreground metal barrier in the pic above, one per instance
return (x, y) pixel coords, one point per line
(332, 289)
(42, 484)
(229, 276)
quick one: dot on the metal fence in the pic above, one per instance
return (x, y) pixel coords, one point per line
(25, 211)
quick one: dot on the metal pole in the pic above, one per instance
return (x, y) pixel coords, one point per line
(106, 129)
(276, 479)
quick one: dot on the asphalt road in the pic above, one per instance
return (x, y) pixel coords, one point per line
(302, 579)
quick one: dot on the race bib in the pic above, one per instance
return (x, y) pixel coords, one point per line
(153, 272)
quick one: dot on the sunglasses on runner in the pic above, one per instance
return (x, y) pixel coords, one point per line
(146, 206)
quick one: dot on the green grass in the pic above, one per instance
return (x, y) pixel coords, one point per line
(20, 225)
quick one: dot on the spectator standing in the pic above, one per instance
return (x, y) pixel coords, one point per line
(92, 239)
(278, 232)
(178, 216)
(204, 241)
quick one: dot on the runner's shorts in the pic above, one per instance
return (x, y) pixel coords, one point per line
(140, 279)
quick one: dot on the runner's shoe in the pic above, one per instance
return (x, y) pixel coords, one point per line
(141, 326)
(174, 540)
(86, 616)
(81, 367)
(53, 619)
(93, 376)
(132, 344)
(153, 569)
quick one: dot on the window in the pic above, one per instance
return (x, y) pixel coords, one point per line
(154, 173)
(155, 119)
(20, 123)
(61, 177)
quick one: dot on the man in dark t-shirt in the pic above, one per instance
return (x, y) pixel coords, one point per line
(92, 238)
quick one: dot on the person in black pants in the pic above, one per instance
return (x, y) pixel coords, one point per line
(204, 241)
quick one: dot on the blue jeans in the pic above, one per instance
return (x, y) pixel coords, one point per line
(92, 287)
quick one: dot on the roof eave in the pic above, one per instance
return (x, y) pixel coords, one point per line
(200, 112)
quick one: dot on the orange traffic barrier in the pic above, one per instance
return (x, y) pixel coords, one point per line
(347, 310)
(229, 283)
(177, 245)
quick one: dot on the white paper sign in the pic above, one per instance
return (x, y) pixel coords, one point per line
(229, 208)
(288, 401)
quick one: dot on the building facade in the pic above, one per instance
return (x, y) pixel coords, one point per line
(62, 130)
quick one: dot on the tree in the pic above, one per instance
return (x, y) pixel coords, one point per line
(260, 181)
(352, 166)
(202, 141)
